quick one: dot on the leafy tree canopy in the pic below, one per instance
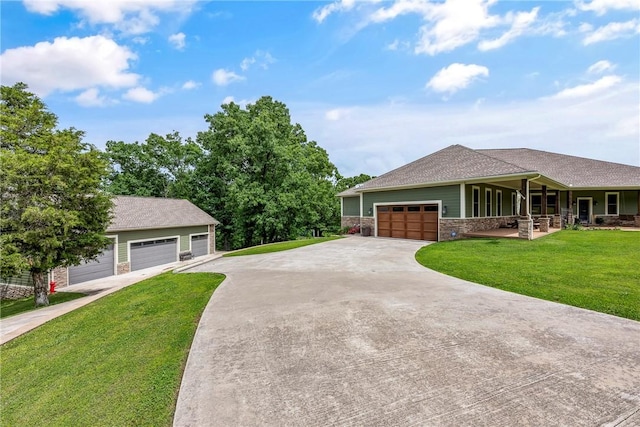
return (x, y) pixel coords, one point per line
(346, 183)
(261, 177)
(159, 167)
(52, 211)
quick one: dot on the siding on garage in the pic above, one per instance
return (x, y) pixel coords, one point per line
(449, 195)
(124, 237)
(351, 206)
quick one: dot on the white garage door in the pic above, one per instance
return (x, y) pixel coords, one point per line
(101, 267)
(153, 252)
(199, 245)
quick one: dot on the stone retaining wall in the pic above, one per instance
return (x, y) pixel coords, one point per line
(11, 292)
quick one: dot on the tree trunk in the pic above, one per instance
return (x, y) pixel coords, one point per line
(40, 288)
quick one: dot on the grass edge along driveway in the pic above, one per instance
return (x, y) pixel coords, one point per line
(116, 361)
(13, 307)
(280, 246)
(596, 270)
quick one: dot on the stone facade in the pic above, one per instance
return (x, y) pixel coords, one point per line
(637, 220)
(60, 276)
(544, 224)
(124, 267)
(557, 221)
(620, 221)
(11, 292)
(525, 228)
(349, 221)
(212, 239)
(455, 228)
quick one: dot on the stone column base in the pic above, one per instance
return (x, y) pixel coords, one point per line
(557, 221)
(636, 220)
(544, 225)
(525, 228)
(124, 267)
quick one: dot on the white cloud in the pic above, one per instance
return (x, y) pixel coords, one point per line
(128, 16)
(230, 99)
(141, 94)
(455, 77)
(374, 139)
(612, 31)
(177, 40)
(91, 98)
(600, 67)
(454, 24)
(399, 8)
(522, 21)
(321, 13)
(600, 7)
(337, 114)
(262, 58)
(190, 84)
(140, 40)
(68, 64)
(222, 77)
(588, 89)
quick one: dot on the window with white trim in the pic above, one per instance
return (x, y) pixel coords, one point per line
(498, 202)
(613, 204)
(487, 202)
(475, 212)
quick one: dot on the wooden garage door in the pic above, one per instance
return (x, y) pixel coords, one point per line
(419, 222)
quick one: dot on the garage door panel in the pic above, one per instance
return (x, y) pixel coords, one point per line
(200, 245)
(102, 267)
(153, 252)
(418, 222)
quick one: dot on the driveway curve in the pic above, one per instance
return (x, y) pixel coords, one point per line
(354, 332)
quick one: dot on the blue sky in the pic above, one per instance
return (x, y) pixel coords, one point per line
(375, 83)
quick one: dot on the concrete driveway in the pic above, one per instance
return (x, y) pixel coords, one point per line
(354, 332)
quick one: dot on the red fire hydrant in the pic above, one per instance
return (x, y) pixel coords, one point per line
(52, 287)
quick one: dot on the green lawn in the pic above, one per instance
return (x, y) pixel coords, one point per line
(280, 246)
(115, 362)
(597, 270)
(13, 307)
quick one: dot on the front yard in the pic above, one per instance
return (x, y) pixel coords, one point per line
(598, 270)
(117, 361)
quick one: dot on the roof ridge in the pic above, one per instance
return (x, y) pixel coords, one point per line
(503, 161)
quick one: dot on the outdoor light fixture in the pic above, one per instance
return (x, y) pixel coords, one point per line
(444, 210)
(595, 203)
(370, 211)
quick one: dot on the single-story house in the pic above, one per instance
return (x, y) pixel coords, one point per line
(146, 232)
(458, 190)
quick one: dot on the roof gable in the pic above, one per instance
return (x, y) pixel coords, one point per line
(136, 213)
(454, 163)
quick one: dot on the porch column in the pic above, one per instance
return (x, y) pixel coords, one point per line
(524, 205)
(570, 207)
(544, 201)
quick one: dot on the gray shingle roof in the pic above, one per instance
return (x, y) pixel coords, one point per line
(577, 172)
(459, 163)
(138, 213)
(454, 163)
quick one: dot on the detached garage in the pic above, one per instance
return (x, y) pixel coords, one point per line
(147, 232)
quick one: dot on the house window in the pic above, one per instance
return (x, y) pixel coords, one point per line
(514, 204)
(498, 202)
(476, 202)
(536, 204)
(551, 204)
(487, 206)
(612, 203)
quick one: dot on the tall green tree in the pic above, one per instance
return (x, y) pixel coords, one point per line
(261, 177)
(159, 167)
(52, 211)
(344, 183)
